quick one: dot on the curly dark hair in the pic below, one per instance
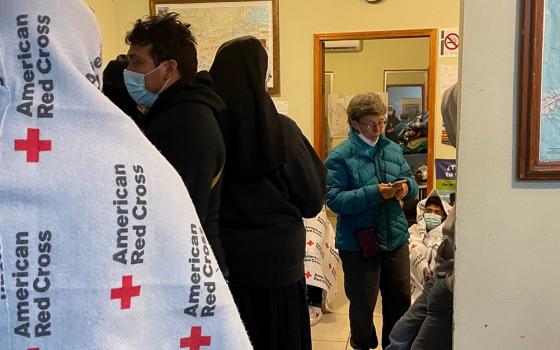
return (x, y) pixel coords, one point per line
(435, 200)
(170, 39)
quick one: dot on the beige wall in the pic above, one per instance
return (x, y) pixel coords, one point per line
(126, 13)
(356, 72)
(296, 33)
(301, 19)
(115, 17)
(106, 16)
(507, 231)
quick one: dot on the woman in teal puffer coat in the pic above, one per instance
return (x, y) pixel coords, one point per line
(367, 177)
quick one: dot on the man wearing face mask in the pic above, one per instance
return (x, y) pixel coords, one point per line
(180, 111)
(425, 237)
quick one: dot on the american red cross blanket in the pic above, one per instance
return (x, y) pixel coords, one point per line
(321, 257)
(100, 245)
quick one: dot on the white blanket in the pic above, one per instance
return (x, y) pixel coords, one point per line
(423, 246)
(321, 257)
(101, 247)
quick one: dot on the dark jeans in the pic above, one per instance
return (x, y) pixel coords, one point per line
(428, 324)
(314, 296)
(276, 318)
(363, 279)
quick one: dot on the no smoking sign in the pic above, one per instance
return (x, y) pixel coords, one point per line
(449, 42)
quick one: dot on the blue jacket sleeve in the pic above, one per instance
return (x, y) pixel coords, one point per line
(340, 197)
(406, 174)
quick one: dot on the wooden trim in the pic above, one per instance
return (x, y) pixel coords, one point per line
(320, 131)
(523, 163)
(432, 69)
(275, 88)
(319, 134)
(529, 166)
(390, 34)
(153, 3)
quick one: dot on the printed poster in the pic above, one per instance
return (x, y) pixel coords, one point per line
(446, 179)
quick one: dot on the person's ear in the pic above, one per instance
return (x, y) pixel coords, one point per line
(171, 67)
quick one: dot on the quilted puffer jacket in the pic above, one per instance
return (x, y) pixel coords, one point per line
(354, 171)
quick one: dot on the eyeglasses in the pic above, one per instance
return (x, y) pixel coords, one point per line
(371, 125)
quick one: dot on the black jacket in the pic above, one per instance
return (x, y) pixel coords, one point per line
(261, 219)
(182, 125)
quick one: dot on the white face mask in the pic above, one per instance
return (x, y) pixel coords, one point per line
(366, 140)
(362, 137)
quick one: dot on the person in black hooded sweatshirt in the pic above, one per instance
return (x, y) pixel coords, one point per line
(115, 90)
(272, 179)
(180, 111)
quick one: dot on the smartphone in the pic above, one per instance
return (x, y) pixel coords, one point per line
(399, 182)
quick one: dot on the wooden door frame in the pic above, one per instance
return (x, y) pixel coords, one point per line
(320, 132)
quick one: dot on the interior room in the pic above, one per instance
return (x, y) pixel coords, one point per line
(398, 70)
(415, 138)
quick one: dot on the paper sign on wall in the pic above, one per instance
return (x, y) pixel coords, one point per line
(446, 178)
(448, 76)
(449, 42)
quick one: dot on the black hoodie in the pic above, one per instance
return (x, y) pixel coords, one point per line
(182, 125)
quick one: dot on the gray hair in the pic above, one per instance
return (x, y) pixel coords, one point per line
(365, 104)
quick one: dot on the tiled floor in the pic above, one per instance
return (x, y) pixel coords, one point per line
(333, 331)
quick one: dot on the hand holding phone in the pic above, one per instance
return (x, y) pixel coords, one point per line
(386, 190)
(401, 188)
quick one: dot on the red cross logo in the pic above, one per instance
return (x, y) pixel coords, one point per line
(310, 243)
(126, 292)
(330, 266)
(308, 274)
(196, 340)
(327, 245)
(413, 246)
(32, 145)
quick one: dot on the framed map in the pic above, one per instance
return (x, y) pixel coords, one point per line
(215, 22)
(538, 154)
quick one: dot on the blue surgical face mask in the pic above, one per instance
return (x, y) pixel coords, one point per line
(432, 221)
(136, 86)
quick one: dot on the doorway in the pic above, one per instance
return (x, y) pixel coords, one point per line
(404, 86)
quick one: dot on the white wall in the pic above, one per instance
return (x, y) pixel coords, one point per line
(508, 232)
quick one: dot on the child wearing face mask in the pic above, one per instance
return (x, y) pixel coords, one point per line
(425, 238)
